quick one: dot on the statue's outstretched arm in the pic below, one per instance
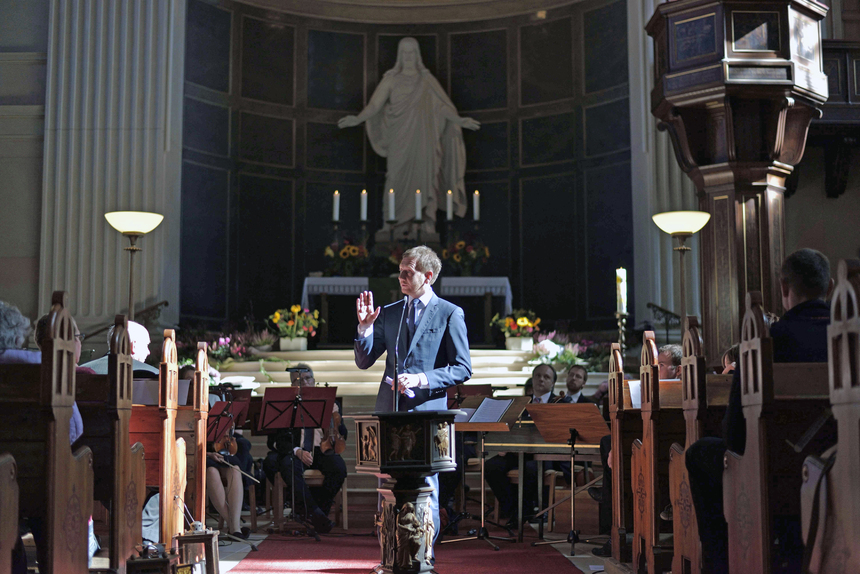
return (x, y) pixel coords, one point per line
(377, 101)
(450, 114)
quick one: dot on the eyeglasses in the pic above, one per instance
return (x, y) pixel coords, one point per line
(80, 337)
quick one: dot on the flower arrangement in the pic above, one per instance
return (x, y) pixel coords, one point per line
(295, 322)
(555, 349)
(224, 350)
(520, 323)
(346, 259)
(466, 256)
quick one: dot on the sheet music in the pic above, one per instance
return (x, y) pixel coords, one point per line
(464, 418)
(635, 393)
(491, 410)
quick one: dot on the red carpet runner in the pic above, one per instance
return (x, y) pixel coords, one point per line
(358, 554)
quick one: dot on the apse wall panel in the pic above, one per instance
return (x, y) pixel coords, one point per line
(264, 244)
(607, 127)
(488, 148)
(548, 139)
(206, 127)
(548, 204)
(266, 139)
(203, 241)
(386, 52)
(479, 70)
(207, 46)
(335, 71)
(604, 49)
(607, 220)
(331, 148)
(546, 62)
(268, 61)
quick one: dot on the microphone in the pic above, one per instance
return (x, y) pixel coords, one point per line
(397, 351)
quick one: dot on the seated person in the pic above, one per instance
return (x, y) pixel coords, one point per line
(138, 339)
(224, 487)
(292, 451)
(669, 363)
(496, 468)
(730, 359)
(799, 336)
(577, 375)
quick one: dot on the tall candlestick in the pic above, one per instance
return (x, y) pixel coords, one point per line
(363, 216)
(449, 206)
(417, 204)
(335, 208)
(476, 205)
(391, 215)
(621, 290)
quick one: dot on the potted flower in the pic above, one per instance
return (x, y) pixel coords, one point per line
(294, 326)
(556, 349)
(465, 257)
(519, 328)
(347, 259)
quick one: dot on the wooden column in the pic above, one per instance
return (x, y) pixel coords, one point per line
(737, 87)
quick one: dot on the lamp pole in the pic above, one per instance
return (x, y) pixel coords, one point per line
(682, 237)
(132, 249)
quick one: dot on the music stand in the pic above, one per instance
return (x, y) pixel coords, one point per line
(296, 408)
(569, 422)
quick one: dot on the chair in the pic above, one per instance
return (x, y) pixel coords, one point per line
(550, 478)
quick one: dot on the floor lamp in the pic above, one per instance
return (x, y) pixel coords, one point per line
(682, 225)
(133, 224)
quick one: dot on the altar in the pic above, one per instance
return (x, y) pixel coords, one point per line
(446, 287)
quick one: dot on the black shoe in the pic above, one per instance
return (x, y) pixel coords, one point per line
(596, 493)
(604, 551)
(537, 519)
(243, 535)
(321, 522)
(512, 524)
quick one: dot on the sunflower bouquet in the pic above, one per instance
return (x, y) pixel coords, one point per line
(346, 259)
(465, 256)
(520, 323)
(295, 322)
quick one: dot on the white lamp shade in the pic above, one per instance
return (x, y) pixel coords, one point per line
(133, 222)
(681, 222)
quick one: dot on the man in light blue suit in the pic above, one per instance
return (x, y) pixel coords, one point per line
(433, 350)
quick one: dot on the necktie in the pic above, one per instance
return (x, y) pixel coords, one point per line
(410, 322)
(537, 400)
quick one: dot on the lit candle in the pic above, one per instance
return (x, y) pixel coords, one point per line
(449, 206)
(391, 205)
(363, 216)
(335, 208)
(417, 204)
(476, 205)
(621, 290)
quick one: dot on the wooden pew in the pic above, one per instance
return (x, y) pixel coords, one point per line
(155, 427)
(55, 484)
(626, 425)
(832, 545)
(8, 510)
(191, 426)
(662, 424)
(119, 468)
(780, 402)
(704, 399)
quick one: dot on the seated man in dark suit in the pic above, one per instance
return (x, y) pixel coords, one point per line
(800, 336)
(497, 467)
(294, 450)
(577, 375)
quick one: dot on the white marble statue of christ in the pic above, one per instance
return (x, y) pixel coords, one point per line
(412, 122)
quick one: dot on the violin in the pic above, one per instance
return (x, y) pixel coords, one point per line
(227, 444)
(332, 439)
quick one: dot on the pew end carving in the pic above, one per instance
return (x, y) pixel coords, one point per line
(626, 425)
(830, 503)
(54, 483)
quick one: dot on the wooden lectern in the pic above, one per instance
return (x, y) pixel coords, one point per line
(402, 449)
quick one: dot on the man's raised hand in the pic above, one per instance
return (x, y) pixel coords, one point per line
(365, 311)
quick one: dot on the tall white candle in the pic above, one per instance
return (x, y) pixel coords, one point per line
(621, 290)
(363, 216)
(417, 204)
(476, 205)
(335, 208)
(449, 206)
(391, 215)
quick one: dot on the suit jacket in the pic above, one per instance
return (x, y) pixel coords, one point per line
(439, 349)
(582, 399)
(800, 336)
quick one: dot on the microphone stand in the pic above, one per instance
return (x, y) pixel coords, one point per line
(394, 383)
